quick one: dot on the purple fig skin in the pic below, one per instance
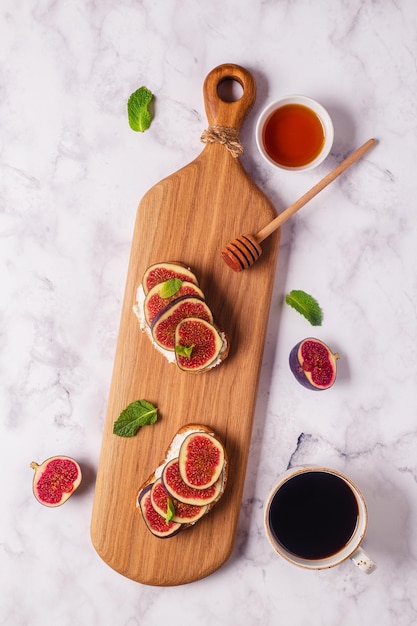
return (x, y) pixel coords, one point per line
(304, 377)
(296, 368)
(143, 491)
(171, 305)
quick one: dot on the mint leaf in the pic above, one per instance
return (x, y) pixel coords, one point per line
(184, 350)
(170, 287)
(137, 109)
(306, 305)
(136, 414)
(170, 511)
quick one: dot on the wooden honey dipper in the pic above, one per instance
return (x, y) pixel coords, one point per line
(243, 251)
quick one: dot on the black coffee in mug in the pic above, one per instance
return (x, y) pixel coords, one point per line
(313, 514)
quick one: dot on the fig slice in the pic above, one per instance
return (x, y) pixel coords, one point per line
(178, 490)
(55, 480)
(155, 522)
(166, 321)
(313, 364)
(160, 272)
(154, 302)
(201, 460)
(184, 513)
(202, 339)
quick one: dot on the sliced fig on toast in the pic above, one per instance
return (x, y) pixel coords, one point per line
(159, 272)
(177, 489)
(198, 344)
(156, 298)
(166, 321)
(155, 522)
(183, 513)
(201, 459)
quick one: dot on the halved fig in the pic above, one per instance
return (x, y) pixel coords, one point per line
(176, 487)
(201, 460)
(166, 321)
(153, 520)
(159, 272)
(313, 364)
(197, 344)
(184, 513)
(154, 302)
(55, 480)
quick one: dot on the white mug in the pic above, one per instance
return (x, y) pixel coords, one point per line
(316, 518)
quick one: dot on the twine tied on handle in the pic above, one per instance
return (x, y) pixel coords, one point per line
(225, 135)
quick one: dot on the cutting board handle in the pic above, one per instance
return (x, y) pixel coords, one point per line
(229, 114)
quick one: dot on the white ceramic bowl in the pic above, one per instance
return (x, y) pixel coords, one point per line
(321, 113)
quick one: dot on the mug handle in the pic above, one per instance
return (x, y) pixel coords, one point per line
(363, 561)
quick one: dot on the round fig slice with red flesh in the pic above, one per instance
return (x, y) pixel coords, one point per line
(160, 272)
(198, 344)
(166, 321)
(177, 489)
(155, 302)
(201, 460)
(183, 513)
(55, 480)
(155, 522)
(313, 364)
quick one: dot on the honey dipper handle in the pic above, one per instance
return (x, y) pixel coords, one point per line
(293, 208)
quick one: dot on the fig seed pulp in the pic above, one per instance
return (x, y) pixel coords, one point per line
(316, 360)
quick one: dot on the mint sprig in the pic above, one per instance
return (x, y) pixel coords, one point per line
(184, 350)
(137, 109)
(170, 287)
(136, 414)
(306, 305)
(170, 511)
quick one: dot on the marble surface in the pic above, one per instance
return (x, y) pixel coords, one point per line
(71, 175)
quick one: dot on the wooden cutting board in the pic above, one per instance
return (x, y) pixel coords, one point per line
(189, 217)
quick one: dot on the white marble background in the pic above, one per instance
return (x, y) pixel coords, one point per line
(71, 175)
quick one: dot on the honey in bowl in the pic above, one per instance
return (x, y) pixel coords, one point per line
(293, 135)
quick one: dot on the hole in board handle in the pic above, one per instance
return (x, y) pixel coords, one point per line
(229, 90)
